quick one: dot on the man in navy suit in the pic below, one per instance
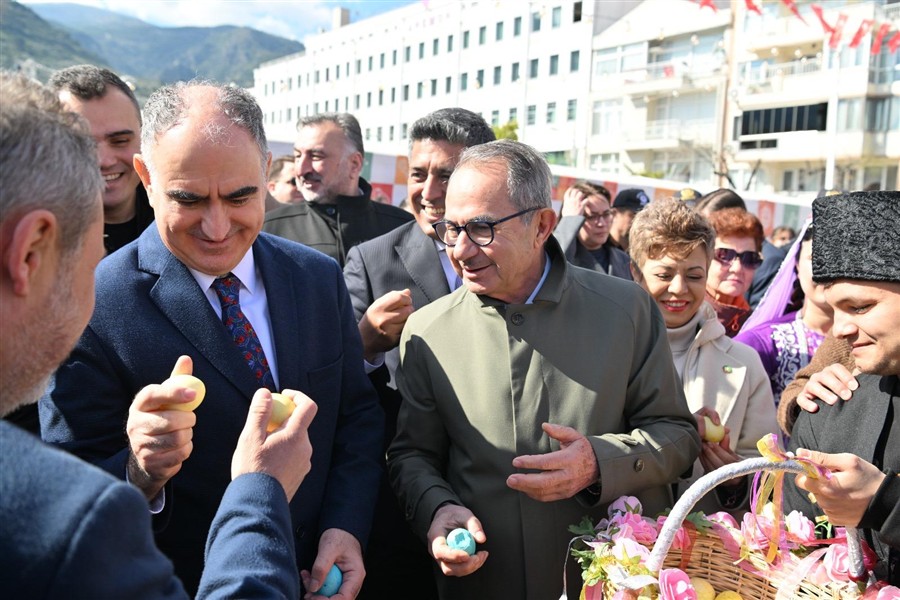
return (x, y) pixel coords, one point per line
(388, 277)
(67, 528)
(203, 162)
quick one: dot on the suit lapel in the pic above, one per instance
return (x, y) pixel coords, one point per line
(420, 257)
(184, 304)
(286, 309)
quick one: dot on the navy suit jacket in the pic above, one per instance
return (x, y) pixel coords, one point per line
(149, 311)
(70, 530)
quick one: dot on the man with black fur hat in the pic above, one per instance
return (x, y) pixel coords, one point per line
(856, 254)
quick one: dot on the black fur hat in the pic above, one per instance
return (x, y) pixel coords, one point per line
(857, 237)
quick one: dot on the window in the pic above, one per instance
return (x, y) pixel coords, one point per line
(403, 129)
(465, 39)
(576, 12)
(420, 89)
(513, 114)
(532, 114)
(421, 50)
(371, 62)
(378, 134)
(535, 21)
(393, 95)
(358, 66)
(554, 64)
(464, 82)
(405, 93)
(606, 117)
(337, 72)
(380, 97)
(449, 43)
(482, 35)
(533, 68)
(391, 133)
(517, 26)
(498, 31)
(479, 79)
(299, 80)
(551, 112)
(315, 79)
(288, 115)
(495, 117)
(406, 53)
(779, 120)
(606, 163)
(356, 102)
(883, 114)
(574, 61)
(498, 72)
(515, 71)
(434, 87)
(571, 110)
(368, 99)
(556, 17)
(381, 61)
(368, 133)
(850, 116)
(394, 58)
(448, 85)
(346, 104)
(435, 45)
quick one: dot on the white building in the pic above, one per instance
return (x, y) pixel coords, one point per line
(660, 87)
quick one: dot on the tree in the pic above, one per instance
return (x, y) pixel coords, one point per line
(506, 131)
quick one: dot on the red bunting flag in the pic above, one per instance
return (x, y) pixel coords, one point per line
(838, 31)
(895, 42)
(752, 7)
(825, 26)
(882, 31)
(864, 28)
(709, 4)
(793, 8)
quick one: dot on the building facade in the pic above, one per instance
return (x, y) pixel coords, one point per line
(664, 88)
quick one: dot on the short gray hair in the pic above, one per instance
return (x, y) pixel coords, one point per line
(347, 122)
(169, 105)
(453, 125)
(527, 173)
(35, 131)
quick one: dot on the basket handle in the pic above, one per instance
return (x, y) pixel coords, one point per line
(706, 483)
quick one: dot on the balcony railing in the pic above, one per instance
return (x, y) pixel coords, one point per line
(766, 71)
(701, 130)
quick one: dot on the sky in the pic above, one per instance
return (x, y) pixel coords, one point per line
(292, 19)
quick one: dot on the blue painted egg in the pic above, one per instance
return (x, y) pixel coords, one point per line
(332, 582)
(461, 539)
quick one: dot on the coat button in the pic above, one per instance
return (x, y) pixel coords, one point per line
(300, 532)
(517, 318)
(639, 465)
(330, 210)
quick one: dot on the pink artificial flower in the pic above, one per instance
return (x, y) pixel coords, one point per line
(800, 529)
(674, 584)
(837, 562)
(594, 592)
(626, 550)
(756, 529)
(634, 526)
(889, 592)
(682, 539)
(623, 505)
(723, 518)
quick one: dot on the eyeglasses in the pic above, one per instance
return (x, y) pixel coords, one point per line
(480, 232)
(749, 259)
(598, 218)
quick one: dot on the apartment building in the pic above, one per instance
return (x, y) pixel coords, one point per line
(664, 88)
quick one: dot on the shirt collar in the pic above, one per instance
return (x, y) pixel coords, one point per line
(245, 271)
(542, 280)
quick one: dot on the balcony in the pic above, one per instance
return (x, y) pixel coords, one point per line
(797, 82)
(671, 133)
(659, 78)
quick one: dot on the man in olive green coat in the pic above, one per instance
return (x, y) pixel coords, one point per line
(535, 394)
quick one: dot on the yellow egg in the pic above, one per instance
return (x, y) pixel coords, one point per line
(729, 596)
(188, 381)
(282, 407)
(703, 588)
(713, 433)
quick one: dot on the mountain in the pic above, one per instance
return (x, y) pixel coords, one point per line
(24, 35)
(142, 51)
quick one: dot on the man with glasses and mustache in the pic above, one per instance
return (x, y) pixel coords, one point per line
(282, 184)
(533, 395)
(583, 231)
(339, 212)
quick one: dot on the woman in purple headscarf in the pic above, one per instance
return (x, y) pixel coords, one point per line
(786, 337)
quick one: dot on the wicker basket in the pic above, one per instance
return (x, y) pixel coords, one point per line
(710, 559)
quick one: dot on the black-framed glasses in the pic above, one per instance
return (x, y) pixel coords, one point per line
(749, 258)
(480, 232)
(598, 218)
